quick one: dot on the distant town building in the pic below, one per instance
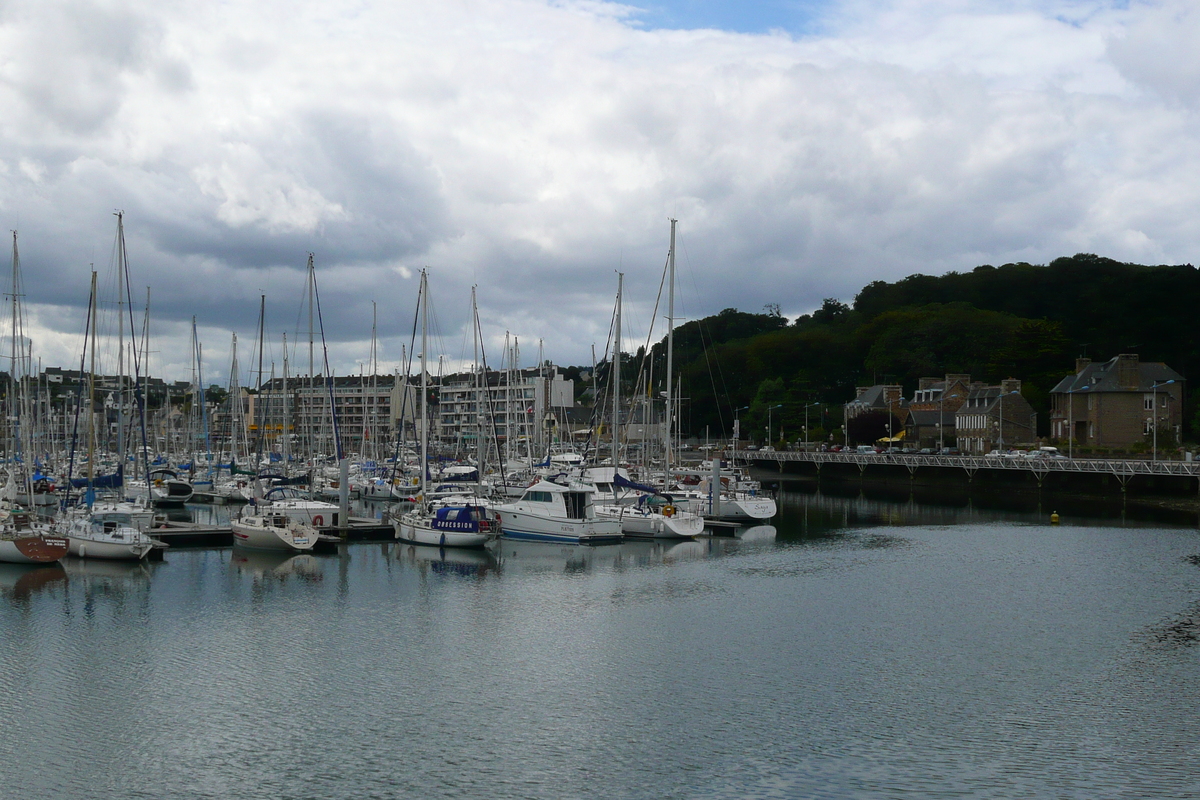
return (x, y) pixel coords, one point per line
(1117, 403)
(932, 410)
(995, 418)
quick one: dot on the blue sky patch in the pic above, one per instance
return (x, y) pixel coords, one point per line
(749, 16)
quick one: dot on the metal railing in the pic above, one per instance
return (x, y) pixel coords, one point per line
(1039, 466)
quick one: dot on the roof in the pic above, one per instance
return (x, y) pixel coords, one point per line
(1102, 377)
(876, 397)
(921, 418)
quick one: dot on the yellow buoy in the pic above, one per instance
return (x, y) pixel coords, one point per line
(1054, 518)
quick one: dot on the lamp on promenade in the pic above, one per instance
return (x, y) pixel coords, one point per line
(1154, 404)
(806, 408)
(769, 410)
(737, 424)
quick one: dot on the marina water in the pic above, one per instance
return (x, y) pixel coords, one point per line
(859, 648)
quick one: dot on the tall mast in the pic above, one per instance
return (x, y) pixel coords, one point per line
(478, 400)
(91, 473)
(424, 383)
(12, 372)
(616, 380)
(670, 348)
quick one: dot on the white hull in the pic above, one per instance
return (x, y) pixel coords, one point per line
(517, 524)
(416, 529)
(643, 524)
(84, 547)
(257, 533)
(740, 508)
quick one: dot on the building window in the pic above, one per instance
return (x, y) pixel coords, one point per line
(1148, 402)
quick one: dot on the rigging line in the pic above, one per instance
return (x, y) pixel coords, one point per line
(491, 408)
(406, 362)
(87, 329)
(597, 404)
(337, 436)
(653, 319)
(704, 347)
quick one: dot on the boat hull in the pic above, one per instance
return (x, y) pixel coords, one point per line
(83, 547)
(639, 525)
(33, 549)
(268, 538)
(531, 527)
(416, 531)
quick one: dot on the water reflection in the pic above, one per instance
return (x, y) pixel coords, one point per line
(474, 562)
(20, 582)
(275, 566)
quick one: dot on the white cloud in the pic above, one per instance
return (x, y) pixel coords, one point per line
(535, 147)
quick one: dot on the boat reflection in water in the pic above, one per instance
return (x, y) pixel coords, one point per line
(756, 534)
(21, 582)
(275, 565)
(472, 561)
(92, 570)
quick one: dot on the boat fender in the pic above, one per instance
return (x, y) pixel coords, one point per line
(668, 511)
(1054, 518)
(443, 540)
(318, 520)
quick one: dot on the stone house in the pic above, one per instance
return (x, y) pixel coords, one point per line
(1117, 403)
(932, 410)
(995, 418)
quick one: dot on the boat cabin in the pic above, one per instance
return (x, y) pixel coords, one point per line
(556, 500)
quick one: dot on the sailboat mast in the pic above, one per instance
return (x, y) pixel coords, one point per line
(670, 348)
(91, 384)
(12, 373)
(424, 383)
(616, 379)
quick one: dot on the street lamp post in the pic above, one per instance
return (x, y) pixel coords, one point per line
(769, 410)
(1154, 408)
(737, 425)
(806, 408)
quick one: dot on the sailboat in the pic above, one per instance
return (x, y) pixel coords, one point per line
(454, 524)
(643, 518)
(272, 524)
(23, 538)
(110, 531)
(713, 501)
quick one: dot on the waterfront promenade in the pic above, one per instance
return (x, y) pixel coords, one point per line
(1123, 470)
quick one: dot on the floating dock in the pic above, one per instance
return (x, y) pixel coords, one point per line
(192, 534)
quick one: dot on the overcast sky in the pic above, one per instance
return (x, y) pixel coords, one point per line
(536, 147)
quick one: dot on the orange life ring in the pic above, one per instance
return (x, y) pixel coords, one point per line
(318, 520)
(668, 511)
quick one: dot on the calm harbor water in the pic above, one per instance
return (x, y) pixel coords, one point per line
(859, 648)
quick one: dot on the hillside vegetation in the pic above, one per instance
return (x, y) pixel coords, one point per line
(1019, 320)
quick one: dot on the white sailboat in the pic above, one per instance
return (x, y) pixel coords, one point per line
(467, 524)
(639, 517)
(268, 529)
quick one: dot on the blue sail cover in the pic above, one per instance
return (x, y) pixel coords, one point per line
(625, 483)
(114, 481)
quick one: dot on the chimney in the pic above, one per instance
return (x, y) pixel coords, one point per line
(1081, 364)
(859, 391)
(926, 383)
(1128, 373)
(1010, 385)
(891, 395)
